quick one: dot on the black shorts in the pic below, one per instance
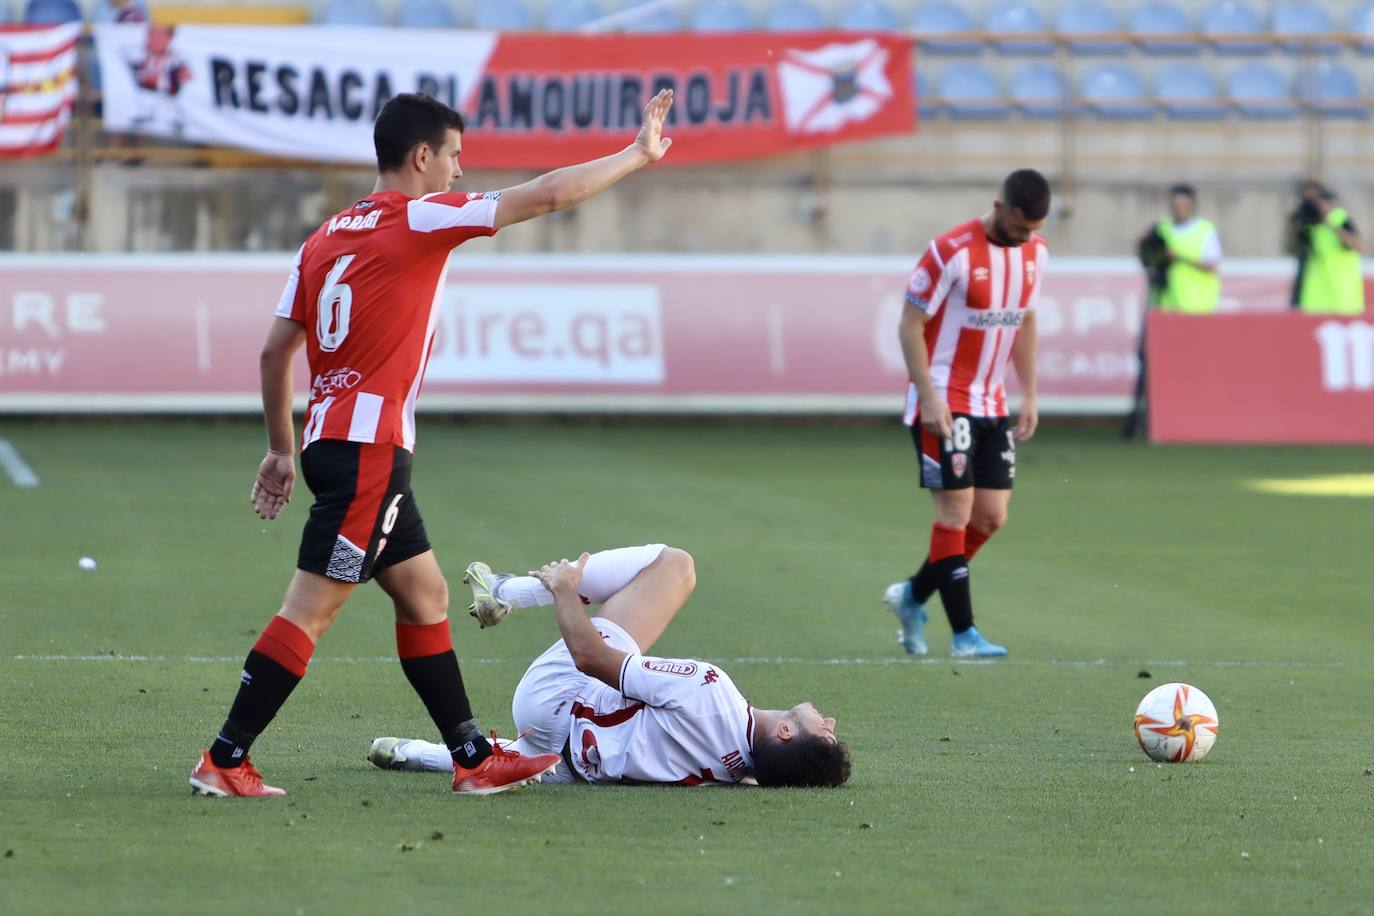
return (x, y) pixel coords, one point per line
(980, 453)
(364, 518)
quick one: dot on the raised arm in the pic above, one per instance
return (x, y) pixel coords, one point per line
(567, 187)
(589, 651)
(277, 473)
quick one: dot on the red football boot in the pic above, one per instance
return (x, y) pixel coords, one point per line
(242, 781)
(504, 769)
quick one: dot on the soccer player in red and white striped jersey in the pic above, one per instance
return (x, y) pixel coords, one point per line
(970, 309)
(363, 298)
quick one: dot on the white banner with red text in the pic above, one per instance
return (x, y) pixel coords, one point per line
(535, 100)
(553, 333)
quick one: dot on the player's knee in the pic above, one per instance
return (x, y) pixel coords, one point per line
(989, 521)
(682, 564)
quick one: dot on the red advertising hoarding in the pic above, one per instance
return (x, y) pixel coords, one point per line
(1261, 378)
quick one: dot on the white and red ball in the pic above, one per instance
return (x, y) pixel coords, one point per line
(1176, 723)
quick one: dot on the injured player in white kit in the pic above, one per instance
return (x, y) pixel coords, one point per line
(617, 714)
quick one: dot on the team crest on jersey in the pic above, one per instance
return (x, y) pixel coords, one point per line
(980, 273)
(958, 463)
(681, 669)
(920, 280)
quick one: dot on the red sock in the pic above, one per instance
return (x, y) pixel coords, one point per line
(417, 640)
(973, 541)
(945, 542)
(286, 644)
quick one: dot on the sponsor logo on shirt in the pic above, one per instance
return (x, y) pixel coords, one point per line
(980, 274)
(334, 381)
(681, 669)
(357, 222)
(959, 240)
(1000, 319)
(711, 677)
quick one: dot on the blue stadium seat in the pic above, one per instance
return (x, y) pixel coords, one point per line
(1114, 90)
(1332, 90)
(1300, 20)
(722, 16)
(570, 15)
(971, 90)
(1362, 26)
(1258, 90)
(1085, 18)
(1187, 91)
(1012, 17)
(932, 21)
(1038, 90)
(1232, 18)
(426, 14)
(867, 16)
(51, 12)
(926, 102)
(793, 16)
(105, 11)
(502, 15)
(352, 12)
(1162, 18)
(664, 19)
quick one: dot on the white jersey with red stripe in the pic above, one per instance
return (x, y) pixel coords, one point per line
(673, 720)
(368, 286)
(976, 295)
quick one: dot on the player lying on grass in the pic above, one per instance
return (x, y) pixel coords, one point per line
(614, 713)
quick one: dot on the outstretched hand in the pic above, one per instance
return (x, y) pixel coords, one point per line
(561, 576)
(651, 140)
(272, 489)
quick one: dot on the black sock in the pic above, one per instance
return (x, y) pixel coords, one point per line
(263, 688)
(439, 682)
(925, 582)
(952, 574)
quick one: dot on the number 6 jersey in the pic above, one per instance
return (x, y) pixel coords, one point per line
(368, 286)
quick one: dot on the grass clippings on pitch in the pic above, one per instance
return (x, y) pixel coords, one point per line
(1009, 786)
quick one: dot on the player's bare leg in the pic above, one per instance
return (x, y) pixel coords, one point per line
(272, 670)
(646, 606)
(425, 645)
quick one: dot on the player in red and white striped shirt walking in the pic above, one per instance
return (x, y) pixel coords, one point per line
(970, 308)
(364, 299)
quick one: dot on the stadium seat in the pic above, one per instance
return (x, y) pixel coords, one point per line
(1258, 90)
(722, 16)
(105, 11)
(1232, 18)
(662, 19)
(1295, 21)
(352, 12)
(932, 21)
(1114, 90)
(51, 12)
(1362, 27)
(1159, 18)
(1187, 91)
(502, 15)
(1015, 18)
(570, 15)
(1038, 90)
(1086, 18)
(971, 90)
(427, 14)
(867, 16)
(793, 16)
(1332, 90)
(926, 103)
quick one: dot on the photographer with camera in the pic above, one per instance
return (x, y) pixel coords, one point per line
(1327, 245)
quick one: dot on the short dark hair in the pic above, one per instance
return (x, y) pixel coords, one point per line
(1185, 189)
(808, 761)
(408, 120)
(1028, 191)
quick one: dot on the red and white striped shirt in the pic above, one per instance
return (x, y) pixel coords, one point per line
(368, 286)
(976, 295)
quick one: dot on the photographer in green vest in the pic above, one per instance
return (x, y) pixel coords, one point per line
(1322, 235)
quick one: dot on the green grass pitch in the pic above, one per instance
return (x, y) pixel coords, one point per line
(1012, 787)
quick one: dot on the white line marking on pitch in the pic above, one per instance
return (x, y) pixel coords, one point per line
(16, 467)
(741, 660)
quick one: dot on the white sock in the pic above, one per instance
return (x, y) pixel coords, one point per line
(607, 572)
(423, 756)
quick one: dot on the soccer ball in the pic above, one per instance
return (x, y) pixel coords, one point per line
(1176, 723)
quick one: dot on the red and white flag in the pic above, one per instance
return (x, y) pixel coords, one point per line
(37, 87)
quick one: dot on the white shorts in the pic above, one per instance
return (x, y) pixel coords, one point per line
(543, 700)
